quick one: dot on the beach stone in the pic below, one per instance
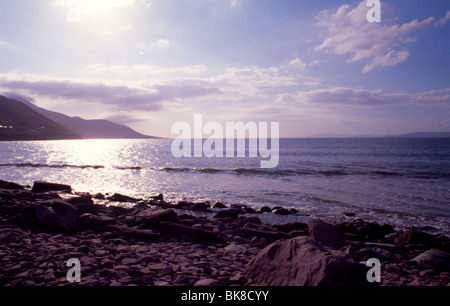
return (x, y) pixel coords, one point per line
(205, 282)
(117, 197)
(289, 227)
(219, 205)
(10, 185)
(228, 213)
(439, 260)
(129, 232)
(95, 220)
(303, 261)
(264, 209)
(57, 215)
(84, 204)
(411, 236)
(271, 235)
(382, 255)
(193, 234)
(254, 220)
(152, 217)
(281, 211)
(325, 233)
(99, 196)
(40, 186)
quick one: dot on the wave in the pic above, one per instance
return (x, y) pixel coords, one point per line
(332, 172)
(246, 171)
(31, 165)
(386, 173)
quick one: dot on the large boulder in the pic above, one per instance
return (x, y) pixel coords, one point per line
(57, 215)
(227, 213)
(117, 197)
(84, 204)
(325, 233)
(439, 260)
(303, 261)
(10, 185)
(152, 217)
(411, 236)
(40, 186)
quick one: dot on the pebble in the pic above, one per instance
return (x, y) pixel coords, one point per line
(36, 257)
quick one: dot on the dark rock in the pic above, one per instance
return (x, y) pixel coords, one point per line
(264, 209)
(159, 197)
(271, 234)
(280, 211)
(382, 255)
(289, 227)
(152, 217)
(427, 228)
(10, 185)
(91, 220)
(303, 261)
(371, 231)
(238, 206)
(201, 206)
(439, 260)
(349, 214)
(193, 234)
(40, 186)
(84, 204)
(57, 215)
(219, 205)
(99, 196)
(129, 232)
(346, 227)
(117, 197)
(293, 211)
(228, 213)
(244, 221)
(411, 236)
(325, 233)
(249, 210)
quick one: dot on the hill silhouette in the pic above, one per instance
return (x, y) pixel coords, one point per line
(88, 129)
(20, 122)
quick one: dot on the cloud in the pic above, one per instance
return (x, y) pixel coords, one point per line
(444, 19)
(95, 7)
(347, 32)
(353, 97)
(147, 97)
(297, 63)
(161, 44)
(145, 71)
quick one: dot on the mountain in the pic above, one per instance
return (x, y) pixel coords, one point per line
(20, 122)
(329, 135)
(422, 135)
(88, 129)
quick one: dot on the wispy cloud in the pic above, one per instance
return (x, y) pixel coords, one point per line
(347, 32)
(354, 97)
(444, 19)
(147, 97)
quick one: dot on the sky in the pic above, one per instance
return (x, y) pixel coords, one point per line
(313, 66)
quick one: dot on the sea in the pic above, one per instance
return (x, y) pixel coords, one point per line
(399, 181)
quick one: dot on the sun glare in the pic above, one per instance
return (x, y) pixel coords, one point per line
(96, 7)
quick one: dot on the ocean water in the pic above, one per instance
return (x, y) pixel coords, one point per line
(398, 181)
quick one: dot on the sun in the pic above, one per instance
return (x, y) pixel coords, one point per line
(97, 7)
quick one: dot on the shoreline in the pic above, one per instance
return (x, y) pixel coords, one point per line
(152, 242)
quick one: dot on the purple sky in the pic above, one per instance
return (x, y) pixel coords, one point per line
(314, 66)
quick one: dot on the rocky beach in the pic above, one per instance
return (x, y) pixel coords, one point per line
(124, 241)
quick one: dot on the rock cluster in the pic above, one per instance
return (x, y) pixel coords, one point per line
(156, 243)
